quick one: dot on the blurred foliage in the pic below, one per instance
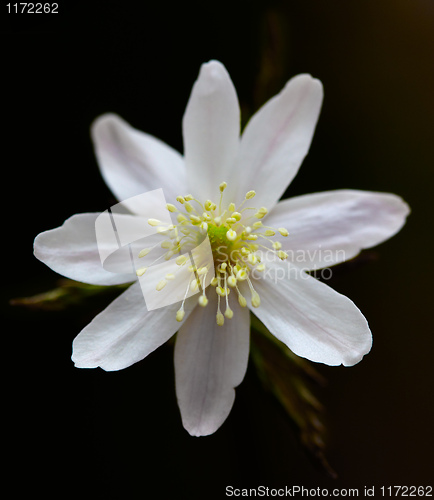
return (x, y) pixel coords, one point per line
(289, 377)
(68, 293)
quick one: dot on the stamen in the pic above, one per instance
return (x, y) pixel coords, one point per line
(141, 271)
(144, 252)
(282, 255)
(181, 260)
(160, 285)
(228, 312)
(231, 235)
(283, 231)
(256, 300)
(181, 313)
(232, 281)
(203, 301)
(219, 316)
(261, 213)
(154, 222)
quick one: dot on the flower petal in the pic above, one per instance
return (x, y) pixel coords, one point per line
(277, 138)
(71, 250)
(334, 226)
(211, 128)
(133, 162)
(210, 360)
(312, 319)
(125, 332)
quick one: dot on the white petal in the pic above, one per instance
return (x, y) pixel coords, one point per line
(331, 227)
(312, 319)
(133, 162)
(210, 360)
(71, 250)
(277, 138)
(125, 332)
(211, 128)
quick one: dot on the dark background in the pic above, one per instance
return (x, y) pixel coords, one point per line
(119, 435)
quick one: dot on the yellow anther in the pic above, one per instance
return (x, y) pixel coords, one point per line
(160, 285)
(141, 271)
(257, 225)
(261, 213)
(242, 275)
(169, 255)
(269, 232)
(221, 291)
(188, 206)
(231, 235)
(180, 199)
(204, 226)
(209, 205)
(203, 301)
(180, 314)
(252, 259)
(223, 186)
(144, 252)
(283, 231)
(170, 276)
(202, 270)
(166, 244)
(236, 215)
(231, 207)
(220, 319)
(154, 222)
(232, 281)
(251, 237)
(181, 260)
(256, 301)
(206, 216)
(181, 218)
(171, 207)
(282, 255)
(277, 245)
(223, 266)
(188, 197)
(194, 218)
(242, 301)
(214, 281)
(231, 220)
(229, 313)
(250, 195)
(260, 267)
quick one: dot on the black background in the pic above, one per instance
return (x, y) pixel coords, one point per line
(119, 435)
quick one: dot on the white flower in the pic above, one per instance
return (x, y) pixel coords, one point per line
(216, 185)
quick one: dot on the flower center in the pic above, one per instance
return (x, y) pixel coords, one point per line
(237, 237)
